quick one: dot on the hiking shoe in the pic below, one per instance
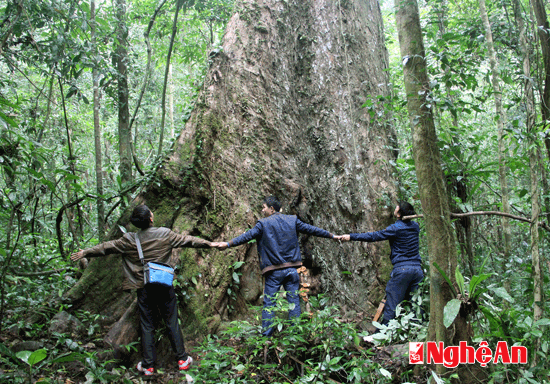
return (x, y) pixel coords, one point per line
(184, 365)
(145, 371)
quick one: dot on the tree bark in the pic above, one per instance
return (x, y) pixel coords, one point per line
(124, 132)
(280, 113)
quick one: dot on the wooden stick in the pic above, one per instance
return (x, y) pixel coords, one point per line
(380, 309)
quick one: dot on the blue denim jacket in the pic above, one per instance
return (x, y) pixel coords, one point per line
(403, 238)
(277, 239)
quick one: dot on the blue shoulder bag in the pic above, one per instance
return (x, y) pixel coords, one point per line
(153, 272)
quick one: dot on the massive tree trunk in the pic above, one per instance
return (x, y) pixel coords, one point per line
(280, 113)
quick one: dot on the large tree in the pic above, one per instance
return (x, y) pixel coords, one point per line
(280, 113)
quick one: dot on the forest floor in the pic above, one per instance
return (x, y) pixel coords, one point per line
(264, 358)
(390, 358)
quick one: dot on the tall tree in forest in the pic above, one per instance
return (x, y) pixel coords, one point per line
(97, 131)
(280, 113)
(179, 5)
(500, 120)
(543, 30)
(124, 131)
(433, 195)
(534, 158)
(431, 185)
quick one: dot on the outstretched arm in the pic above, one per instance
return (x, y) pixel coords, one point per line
(246, 237)
(312, 230)
(120, 245)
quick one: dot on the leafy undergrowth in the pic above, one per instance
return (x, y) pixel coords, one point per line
(319, 348)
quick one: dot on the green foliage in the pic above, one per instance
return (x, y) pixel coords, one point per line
(319, 348)
(408, 324)
(234, 285)
(467, 297)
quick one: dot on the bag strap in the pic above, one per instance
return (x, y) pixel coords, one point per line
(140, 251)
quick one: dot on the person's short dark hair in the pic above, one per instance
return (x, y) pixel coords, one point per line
(141, 216)
(406, 209)
(271, 201)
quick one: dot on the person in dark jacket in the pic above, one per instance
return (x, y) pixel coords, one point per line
(407, 271)
(279, 253)
(157, 245)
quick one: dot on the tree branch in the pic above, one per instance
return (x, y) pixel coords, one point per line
(34, 274)
(485, 213)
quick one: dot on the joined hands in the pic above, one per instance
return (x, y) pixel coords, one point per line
(341, 238)
(219, 245)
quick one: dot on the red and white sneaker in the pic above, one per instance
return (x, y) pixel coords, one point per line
(145, 371)
(184, 365)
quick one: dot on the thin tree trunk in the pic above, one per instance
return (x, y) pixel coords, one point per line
(124, 133)
(501, 117)
(148, 71)
(71, 162)
(533, 167)
(171, 102)
(179, 4)
(433, 195)
(543, 30)
(9, 257)
(431, 185)
(97, 134)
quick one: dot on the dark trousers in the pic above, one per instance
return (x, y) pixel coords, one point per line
(290, 280)
(403, 282)
(155, 300)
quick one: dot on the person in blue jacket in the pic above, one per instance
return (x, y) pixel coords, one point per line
(407, 271)
(279, 253)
